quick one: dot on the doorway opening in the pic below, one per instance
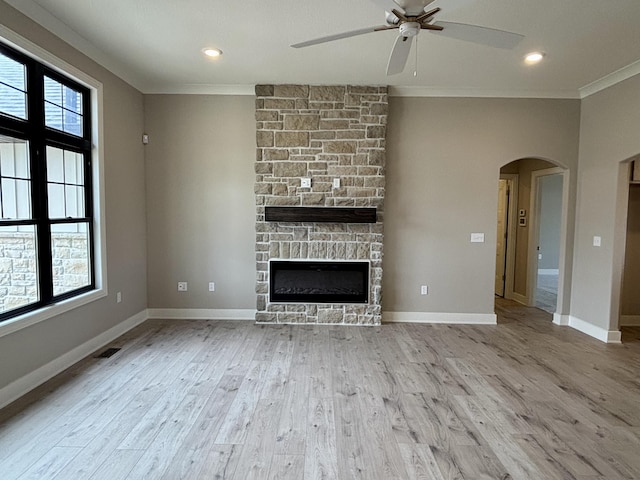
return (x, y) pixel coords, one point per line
(630, 292)
(532, 218)
(506, 234)
(547, 234)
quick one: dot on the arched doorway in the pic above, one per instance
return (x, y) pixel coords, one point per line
(532, 253)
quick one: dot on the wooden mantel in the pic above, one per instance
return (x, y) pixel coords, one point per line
(320, 214)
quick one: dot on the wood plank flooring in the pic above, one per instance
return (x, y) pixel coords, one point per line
(232, 400)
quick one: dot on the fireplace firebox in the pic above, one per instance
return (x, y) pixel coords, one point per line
(318, 282)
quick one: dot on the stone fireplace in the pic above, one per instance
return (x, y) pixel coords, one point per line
(335, 136)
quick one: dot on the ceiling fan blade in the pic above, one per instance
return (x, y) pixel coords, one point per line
(476, 34)
(399, 55)
(339, 36)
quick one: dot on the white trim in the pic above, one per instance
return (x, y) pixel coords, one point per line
(61, 30)
(419, 91)
(202, 314)
(619, 242)
(99, 222)
(438, 317)
(599, 333)
(548, 271)
(38, 14)
(534, 229)
(394, 91)
(25, 384)
(562, 320)
(629, 320)
(14, 324)
(202, 89)
(610, 80)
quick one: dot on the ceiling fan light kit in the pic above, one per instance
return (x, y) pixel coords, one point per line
(410, 17)
(409, 29)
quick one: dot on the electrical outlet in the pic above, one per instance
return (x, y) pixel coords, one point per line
(477, 238)
(424, 290)
(597, 241)
(182, 286)
(119, 297)
(305, 182)
(336, 183)
(212, 287)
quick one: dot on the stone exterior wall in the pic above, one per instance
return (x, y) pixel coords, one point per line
(325, 133)
(18, 276)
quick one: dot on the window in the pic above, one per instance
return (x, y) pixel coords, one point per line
(46, 186)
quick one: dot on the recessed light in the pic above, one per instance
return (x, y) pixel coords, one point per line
(212, 52)
(533, 58)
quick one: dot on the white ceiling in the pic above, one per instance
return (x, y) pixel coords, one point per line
(156, 44)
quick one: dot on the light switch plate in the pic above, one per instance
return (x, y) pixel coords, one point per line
(477, 238)
(336, 183)
(305, 182)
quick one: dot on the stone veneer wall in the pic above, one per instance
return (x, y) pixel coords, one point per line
(322, 132)
(18, 272)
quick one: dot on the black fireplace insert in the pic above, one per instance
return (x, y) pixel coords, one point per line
(318, 281)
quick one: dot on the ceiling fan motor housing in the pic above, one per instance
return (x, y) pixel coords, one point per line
(409, 29)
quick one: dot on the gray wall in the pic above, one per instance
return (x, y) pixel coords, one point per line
(201, 215)
(443, 164)
(35, 346)
(610, 123)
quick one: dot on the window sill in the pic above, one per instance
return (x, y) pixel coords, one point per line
(23, 321)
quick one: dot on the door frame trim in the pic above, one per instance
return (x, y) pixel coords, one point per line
(534, 232)
(512, 179)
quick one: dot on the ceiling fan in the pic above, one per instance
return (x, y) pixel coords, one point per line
(412, 16)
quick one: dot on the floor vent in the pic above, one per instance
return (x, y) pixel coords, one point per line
(107, 353)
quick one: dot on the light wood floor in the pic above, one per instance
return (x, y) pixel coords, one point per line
(232, 400)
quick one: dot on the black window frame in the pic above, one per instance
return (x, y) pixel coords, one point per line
(39, 136)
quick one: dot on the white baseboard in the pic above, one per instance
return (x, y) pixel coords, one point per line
(562, 320)
(435, 317)
(202, 314)
(630, 320)
(548, 271)
(607, 336)
(25, 384)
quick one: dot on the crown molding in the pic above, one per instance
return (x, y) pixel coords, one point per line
(394, 91)
(610, 80)
(200, 89)
(399, 91)
(63, 31)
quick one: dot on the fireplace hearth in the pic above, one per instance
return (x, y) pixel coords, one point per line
(318, 282)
